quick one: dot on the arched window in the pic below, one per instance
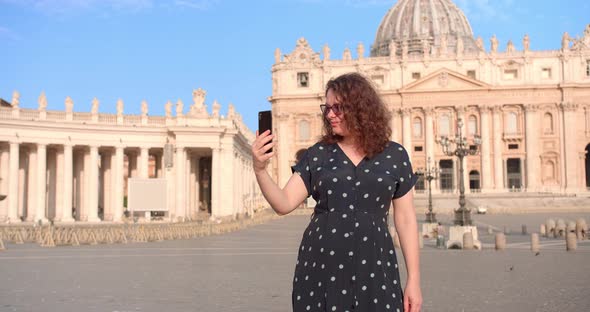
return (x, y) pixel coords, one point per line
(304, 130)
(417, 127)
(548, 123)
(444, 125)
(472, 125)
(511, 123)
(474, 181)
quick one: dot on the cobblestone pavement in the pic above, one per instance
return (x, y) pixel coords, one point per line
(251, 270)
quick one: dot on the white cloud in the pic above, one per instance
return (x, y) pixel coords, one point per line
(72, 6)
(195, 4)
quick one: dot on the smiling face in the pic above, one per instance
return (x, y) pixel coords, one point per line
(337, 121)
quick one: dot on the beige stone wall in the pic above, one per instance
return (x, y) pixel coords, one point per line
(531, 109)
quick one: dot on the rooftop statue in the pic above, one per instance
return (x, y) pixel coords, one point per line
(15, 99)
(510, 47)
(42, 102)
(119, 107)
(494, 44)
(326, 51)
(69, 103)
(526, 43)
(479, 44)
(168, 109)
(144, 108)
(179, 108)
(95, 104)
(277, 56)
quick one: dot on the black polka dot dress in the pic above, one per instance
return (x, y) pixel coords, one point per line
(346, 260)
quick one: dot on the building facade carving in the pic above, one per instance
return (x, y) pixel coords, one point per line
(528, 107)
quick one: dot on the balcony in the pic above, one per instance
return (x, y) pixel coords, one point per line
(513, 136)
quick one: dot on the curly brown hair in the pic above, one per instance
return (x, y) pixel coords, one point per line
(365, 114)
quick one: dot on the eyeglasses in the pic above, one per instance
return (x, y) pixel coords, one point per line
(336, 108)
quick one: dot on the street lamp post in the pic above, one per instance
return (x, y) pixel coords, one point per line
(431, 173)
(460, 147)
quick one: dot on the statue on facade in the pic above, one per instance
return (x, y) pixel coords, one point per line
(42, 102)
(168, 109)
(144, 108)
(326, 52)
(15, 99)
(510, 47)
(198, 108)
(94, 109)
(119, 107)
(277, 56)
(216, 108)
(565, 41)
(179, 108)
(347, 56)
(479, 44)
(360, 51)
(69, 103)
(494, 44)
(231, 111)
(526, 43)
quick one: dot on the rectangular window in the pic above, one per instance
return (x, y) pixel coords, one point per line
(513, 146)
(378, 79)
(418, 148)
(473, 147)
(587, 68)
(546, 73)
(303, 80)
(416, 76)
(510, 74)
(471, 74)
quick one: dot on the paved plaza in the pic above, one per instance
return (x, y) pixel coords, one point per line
(251, 270)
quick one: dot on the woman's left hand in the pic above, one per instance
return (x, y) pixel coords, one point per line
(412, 297)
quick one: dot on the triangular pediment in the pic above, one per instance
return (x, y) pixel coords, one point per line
(445, 80)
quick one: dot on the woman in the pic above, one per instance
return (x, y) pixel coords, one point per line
(346, 260)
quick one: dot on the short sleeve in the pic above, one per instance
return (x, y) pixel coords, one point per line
(303, 169)
(406, 178)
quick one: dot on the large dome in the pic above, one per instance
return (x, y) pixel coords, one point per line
(417, 22)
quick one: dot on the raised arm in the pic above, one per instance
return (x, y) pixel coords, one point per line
(284, 200)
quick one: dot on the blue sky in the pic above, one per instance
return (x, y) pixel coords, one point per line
(161, 50)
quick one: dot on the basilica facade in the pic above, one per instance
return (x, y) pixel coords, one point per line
(73, 167)
(529, 109)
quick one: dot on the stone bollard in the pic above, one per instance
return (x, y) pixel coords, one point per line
(535, 242)
(490, 230)
(467, 241)
(560, 228)
(581, 229)
(524, 231)
(500, 241)
(571, 242)
(550, 224)
(543, 230)
(571, 227)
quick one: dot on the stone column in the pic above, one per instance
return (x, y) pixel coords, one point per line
(180, 182)
(395, 125)
(31, 207)
(92, 188)
(193, 179)
(107, 185)
(68, 183)
(571, 150)
(215, 179)
(429, 136)
(486, 171)
(143, 171)
(197, 183)
(533, 166)
(118, 187)
(13, 183)
(407, 130)
(4, 155)
(41, 183)
(498, 162)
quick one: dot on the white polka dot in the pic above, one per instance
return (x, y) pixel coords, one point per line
(388, 156)
(334, 308)
(399, 148)
(364, 239)
(344, 291)
(346, 235)
(332, 253)
(366, 170)
(378, 262)
(335, 179)
(349, 178)
(375, 300)
(350, 253)
(321, 147)
(364, 261)
(308, 308)
(329, 192)
(405, 164)
(351, 206)
(364, 287)
(333, 231)
(383, 287)
(366, 195)
(298, 298)
(378, 198)
(344, 216)
(344, 195)
(331, 159)
(341, 267)
(372, 275)
(315, 159)
(380, 179)
(358, 183)
(333, 278)
(376, 163)
(395, 282)
(401, 179)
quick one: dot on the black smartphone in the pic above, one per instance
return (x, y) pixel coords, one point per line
(265, 123)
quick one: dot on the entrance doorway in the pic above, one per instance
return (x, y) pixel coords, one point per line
(446, 175)
(514, 173)
(474, 181)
